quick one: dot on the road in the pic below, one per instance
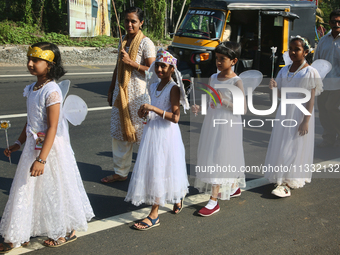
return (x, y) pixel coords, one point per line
(256, 223)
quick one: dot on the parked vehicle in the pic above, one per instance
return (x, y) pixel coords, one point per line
(257, 24)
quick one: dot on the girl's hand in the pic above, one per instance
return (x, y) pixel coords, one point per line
(195, 108)
(144, 110)
(109, 98)
(272, 84)
(37, 169)
(212, 105)
(303, 128)
(11, 149)
(147, 107)
(142, 113)
(125, 57)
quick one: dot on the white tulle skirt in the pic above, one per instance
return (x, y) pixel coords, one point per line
(159, 175)
(290, 153)
(220, 156)
(50, 205)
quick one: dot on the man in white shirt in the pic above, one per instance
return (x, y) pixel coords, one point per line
(329, 100)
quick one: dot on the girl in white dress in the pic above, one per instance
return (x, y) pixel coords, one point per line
(160, 175)
(290, 152)
(221, 145)
(47, 197)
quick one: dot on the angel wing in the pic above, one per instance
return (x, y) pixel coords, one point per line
(286, 58)
(74, 110)
(251, 79)
(322, 66)
(64, 87)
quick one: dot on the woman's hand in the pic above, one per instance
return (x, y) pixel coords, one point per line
(272, 84)
(109, 98)
(37, 169)
(11, 149)
(125, 57)
(195, 109)
(303, 128)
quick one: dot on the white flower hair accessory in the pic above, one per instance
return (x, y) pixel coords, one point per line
(307, 45)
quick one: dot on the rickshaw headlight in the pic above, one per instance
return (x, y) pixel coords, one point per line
(197, 58)
(202, 57)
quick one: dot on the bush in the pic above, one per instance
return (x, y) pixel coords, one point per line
(21, 33)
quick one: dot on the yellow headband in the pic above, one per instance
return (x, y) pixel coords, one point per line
(36, 52)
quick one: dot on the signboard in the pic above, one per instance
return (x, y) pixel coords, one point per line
(89, 17)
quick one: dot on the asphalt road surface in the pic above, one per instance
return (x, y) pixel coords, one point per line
(308, 222)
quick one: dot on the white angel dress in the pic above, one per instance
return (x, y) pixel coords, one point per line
(160, 174)
(54, 203)
(220, 148)
(289, 156)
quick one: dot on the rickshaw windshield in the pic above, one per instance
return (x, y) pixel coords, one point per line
(205, 24)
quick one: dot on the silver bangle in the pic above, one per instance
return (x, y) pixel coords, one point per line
(18, 143)
(164, 114)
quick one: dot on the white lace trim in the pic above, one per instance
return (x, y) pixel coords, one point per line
(53, 98)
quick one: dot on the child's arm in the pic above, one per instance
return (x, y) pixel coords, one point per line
(15, 147)
(196, 108)
(303, 128)
(170, 116)
(228, 103)
(53, 112)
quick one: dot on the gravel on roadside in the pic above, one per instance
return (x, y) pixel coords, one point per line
(16, 55)
(71, 56)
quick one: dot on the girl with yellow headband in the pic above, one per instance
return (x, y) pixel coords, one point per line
(47, 196)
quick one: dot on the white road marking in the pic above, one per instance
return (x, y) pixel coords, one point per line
(125, 218)
(67, 74)
(11, 116)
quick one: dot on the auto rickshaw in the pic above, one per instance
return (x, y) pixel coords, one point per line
(257, 25)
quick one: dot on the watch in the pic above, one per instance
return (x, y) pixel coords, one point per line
(40, 160)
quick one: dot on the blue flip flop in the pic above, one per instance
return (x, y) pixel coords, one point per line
(153, 224)
(178, 208)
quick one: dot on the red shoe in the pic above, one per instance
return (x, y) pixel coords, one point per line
(237, 193)
(207, 212)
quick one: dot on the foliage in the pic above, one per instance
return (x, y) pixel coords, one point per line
(50, 17)
(21, 33)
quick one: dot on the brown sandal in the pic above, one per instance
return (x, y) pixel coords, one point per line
(57, 243)
(7, 247)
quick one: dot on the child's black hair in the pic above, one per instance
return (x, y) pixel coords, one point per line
(231, 49)
(306, 46)
(173, 76)
(138, 11)
(56, 70)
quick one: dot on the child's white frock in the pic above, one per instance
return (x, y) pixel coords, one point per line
(159, 175)
(54, 203)
(287, 150)
(221, 146)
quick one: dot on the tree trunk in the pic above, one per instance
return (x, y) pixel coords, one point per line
(171, 24)
(180, 16)
(41, 13)
(166, 20)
